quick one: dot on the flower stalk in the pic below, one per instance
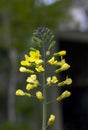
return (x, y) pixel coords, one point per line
(44, 105)
(36, 62)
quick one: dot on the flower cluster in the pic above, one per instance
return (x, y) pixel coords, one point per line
(35, 64)
(31, 64)
(62, 67)
(33, 60)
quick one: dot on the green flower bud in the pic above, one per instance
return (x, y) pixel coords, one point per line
(51, 45)
(48, 53)
(44, 36)
(52, 38)
(37, 41)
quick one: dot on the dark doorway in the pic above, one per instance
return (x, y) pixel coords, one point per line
(75, 109)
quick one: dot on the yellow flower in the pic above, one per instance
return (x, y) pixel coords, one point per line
(33, 82)
(39, 95)
(39, 62)
(34, 56)
(51, 119)
(28, 94)
(52, 61)
(23, 69)
(60, 63)
(27, 58)
(39, 68)
(29, 87)
(31, 79)
(52, 80)
(48, 81)
(65, 94)
(68, 81)
(61, 53)
(26, 62)
(64, 67)
(20, 92)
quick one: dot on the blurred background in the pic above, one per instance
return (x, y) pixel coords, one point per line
(68, 19)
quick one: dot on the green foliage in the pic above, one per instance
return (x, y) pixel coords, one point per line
(8, 126)
(24, 16)
(18, 18)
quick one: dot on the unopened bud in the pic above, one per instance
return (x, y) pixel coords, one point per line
(64, 67)
(23, 69)
(48, 53)
(20, 92)
(61, 53)
(51, 119)
(39, 95)
(65, 94)
(68, 81)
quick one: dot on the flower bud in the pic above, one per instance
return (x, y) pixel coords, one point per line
(29, 87)
(28, 94)
(68, 81)
(51, 45)
(39, 96)
(37, 41)
(61, 53)
(54, 79)
(65, 94)
(48, 53)
(19, 92)
(23, 69)
(39, 68)
(51, 119)
(61, 84)
(64, 67)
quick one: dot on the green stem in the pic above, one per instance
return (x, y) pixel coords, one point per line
(44, 111)
(44, 116)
